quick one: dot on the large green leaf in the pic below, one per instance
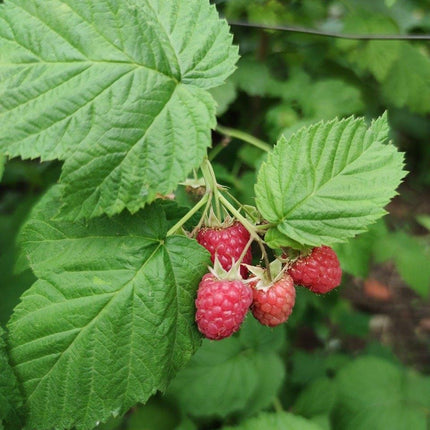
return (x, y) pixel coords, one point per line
(238, 375)
(328, 182)
(375, 394)
(110, 319)
(118, 89)
(279, 421)
(10, 397)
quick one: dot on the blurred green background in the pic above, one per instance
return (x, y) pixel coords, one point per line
(357, 358)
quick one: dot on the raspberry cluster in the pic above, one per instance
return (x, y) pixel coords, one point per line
(224, 297)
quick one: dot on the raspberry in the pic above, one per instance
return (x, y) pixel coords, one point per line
(320, 271)
(221, 306)
(274, 305)
(227, 244)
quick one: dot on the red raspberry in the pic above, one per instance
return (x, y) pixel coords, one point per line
(320, 271)
(274, 305)
(221, 306)
(227, 244)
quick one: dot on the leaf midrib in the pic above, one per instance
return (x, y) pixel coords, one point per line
(90, 62)
(109, 42)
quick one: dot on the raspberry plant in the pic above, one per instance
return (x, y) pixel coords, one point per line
(118, 92)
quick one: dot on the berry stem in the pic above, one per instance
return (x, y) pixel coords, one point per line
(277, 405)
(245, 137)
(202, 218)
(245, 250)
(248, 226)
(260, 227)
(188, 215)
(211, 184)
(218, 148)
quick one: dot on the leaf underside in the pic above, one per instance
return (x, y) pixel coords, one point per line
(111, 317)
(116, 89)
(328, 182)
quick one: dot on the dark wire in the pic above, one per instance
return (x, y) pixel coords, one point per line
(304, 30)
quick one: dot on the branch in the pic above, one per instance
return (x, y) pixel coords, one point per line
(304, 30)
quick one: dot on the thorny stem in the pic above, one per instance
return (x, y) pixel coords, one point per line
(188, 215)
(245, 137)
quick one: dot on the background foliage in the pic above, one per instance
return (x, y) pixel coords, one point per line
(339, 355)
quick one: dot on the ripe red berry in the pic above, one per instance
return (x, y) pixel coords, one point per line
(273, 306)
(221, 306)
(320, 271)
(227, 244)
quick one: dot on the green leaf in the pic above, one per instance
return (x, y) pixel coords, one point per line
(317, 398)
(110, 319)
(418, 390)
(10, 397)
(2, 163)
(376, 56)
(155, 415)
(238, 375)
(424, 220)
(224, 96)
(279, 421)
(373, 393)
(408, 83)
(328, 98)
(356, 254)
(411, 258)
(254, 78)
(117, 89)
(328, 182)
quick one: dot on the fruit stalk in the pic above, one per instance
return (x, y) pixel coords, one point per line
(188, 215)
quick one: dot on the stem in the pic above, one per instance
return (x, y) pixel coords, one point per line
(188, 215)
(218, 148)
(240, 217)
(238, 203)
(245, 250)
(304, 30)
(241, 135)
(248, 226)
(211, 184)
(260, 227)
(202, 219)
(277, 405)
